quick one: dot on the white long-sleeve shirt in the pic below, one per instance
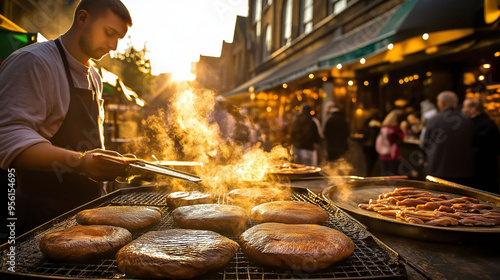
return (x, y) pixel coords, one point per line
(34, 96)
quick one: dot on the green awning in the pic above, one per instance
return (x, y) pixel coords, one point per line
(369, 39)
(355, 55)
(108, 89)
(370, 47)
(13, 40)
(397, 19)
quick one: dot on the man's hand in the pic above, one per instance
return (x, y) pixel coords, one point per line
(101, 169)
(46, 157)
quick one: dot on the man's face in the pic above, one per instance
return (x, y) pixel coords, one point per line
(466, 109)
(101, 33)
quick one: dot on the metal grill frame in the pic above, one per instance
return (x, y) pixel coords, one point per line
(371, 259)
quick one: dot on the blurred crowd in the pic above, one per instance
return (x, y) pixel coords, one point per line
(459, 142)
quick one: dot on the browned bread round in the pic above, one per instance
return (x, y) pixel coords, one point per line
(221, 218)
(129, 217)
(289, 212)
(175, 254)
(80, 243)
(305, 247)
(250, 197)
(184, 198)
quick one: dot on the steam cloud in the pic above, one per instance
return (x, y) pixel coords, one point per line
(182, 132)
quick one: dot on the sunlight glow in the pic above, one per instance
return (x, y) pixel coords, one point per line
(176, 33)
(183, 76)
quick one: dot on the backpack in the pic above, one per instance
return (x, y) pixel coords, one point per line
(382, 144)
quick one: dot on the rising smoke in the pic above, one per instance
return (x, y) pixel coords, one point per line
(183, 132)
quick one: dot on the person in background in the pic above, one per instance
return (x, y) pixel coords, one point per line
(303, 135)
(52, 115)
(371, 129)
(225, 121)
(317, 155)
(448, 142)
(254, 129)
(387, 143)
(336, 133)
(414, 127)
(427, 110)
(487, 145)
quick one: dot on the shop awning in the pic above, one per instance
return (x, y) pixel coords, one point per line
(429, 16)
(402, 26)
(368, 40)
(13, 37)
(245, 87)
(13, 40)
(278, 75)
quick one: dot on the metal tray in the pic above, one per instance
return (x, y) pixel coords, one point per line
(347, 196)
(277, 175)
(371, 259)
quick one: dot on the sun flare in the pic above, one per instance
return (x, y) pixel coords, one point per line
(181, 74)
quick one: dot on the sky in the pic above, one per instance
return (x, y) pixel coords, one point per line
(176, 32)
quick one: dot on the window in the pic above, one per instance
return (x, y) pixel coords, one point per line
(266, 3)
(257, 17)
(336, 6)
(268, 43)
(286, 23)
(306, 16)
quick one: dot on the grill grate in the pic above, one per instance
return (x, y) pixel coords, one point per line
(369, 260)
(155, 198)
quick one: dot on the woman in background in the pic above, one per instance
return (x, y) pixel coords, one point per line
(387, 143)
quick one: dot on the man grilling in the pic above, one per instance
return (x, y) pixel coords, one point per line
(52, 115)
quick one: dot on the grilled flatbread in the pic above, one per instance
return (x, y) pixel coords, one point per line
(175, 254)
(81, 243)
(129, 217)
(304, 247)
(289, 212)
(184, 198)
(221, 218)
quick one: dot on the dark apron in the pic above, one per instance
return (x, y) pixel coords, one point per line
(41, 196)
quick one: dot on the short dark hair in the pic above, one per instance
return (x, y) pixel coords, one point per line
(99, 6)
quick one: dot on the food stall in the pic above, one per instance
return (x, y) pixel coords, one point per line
(385, 248)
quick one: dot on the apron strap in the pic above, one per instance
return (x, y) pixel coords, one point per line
(68, 72)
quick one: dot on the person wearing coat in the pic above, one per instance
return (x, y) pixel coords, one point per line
(304, 134)
(448, 142)
(487, 147)
(336, 132)
(387, 143)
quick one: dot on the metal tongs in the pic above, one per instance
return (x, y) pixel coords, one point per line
(149, 167)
